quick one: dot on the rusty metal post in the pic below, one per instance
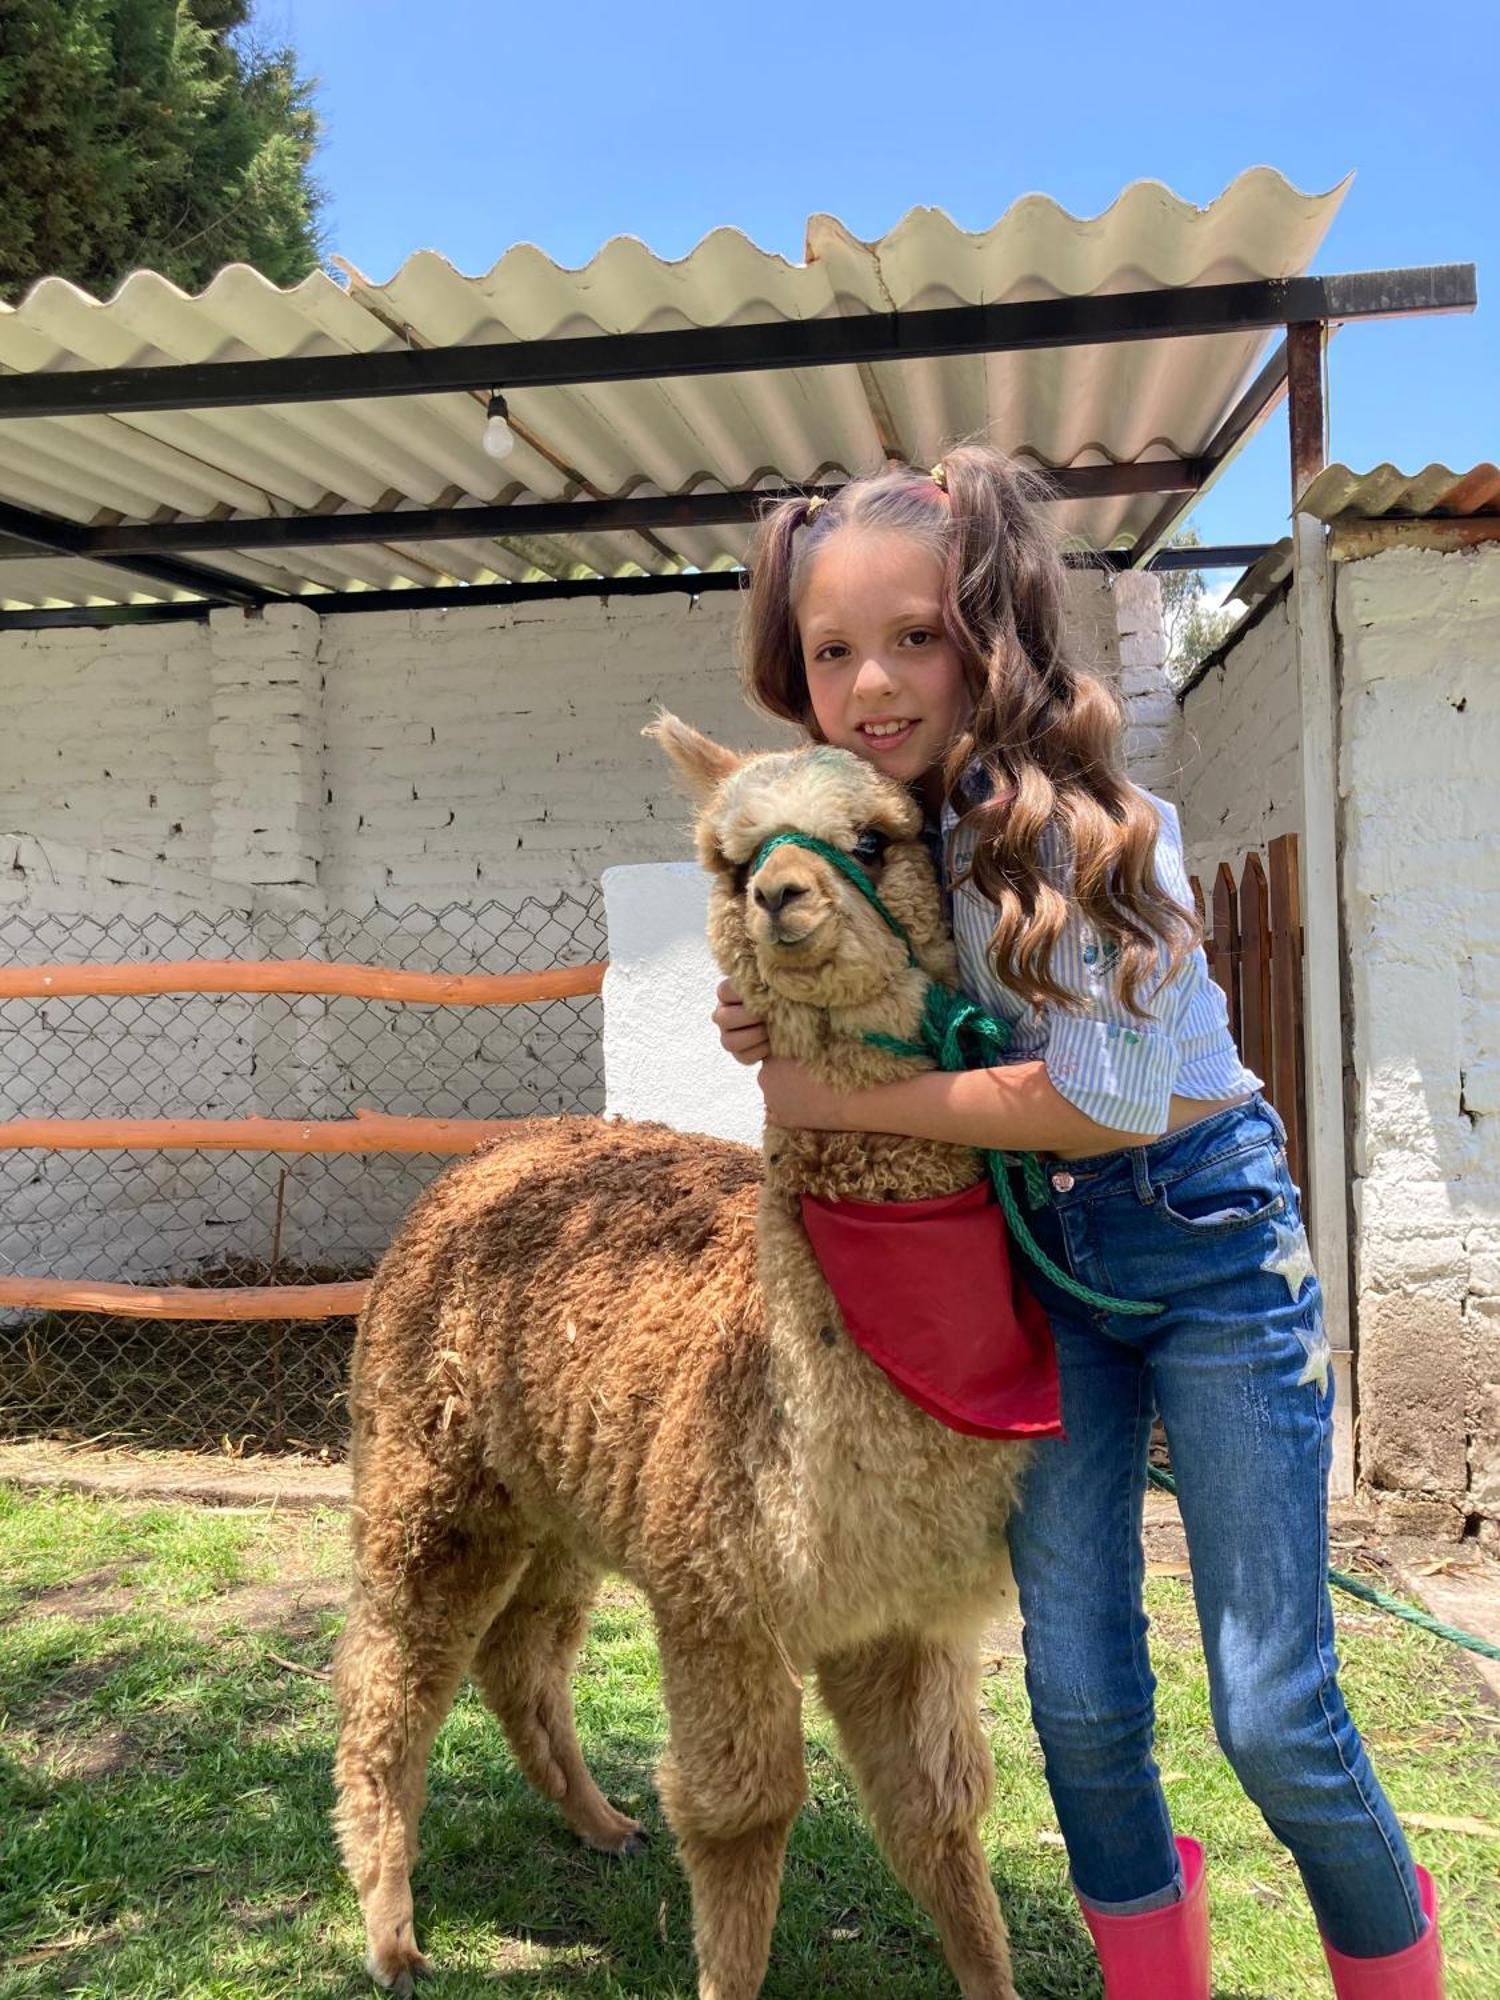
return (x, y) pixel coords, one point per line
(1307, 405)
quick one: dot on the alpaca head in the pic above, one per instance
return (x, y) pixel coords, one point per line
(796, 928)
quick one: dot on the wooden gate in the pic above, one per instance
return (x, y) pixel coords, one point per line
(1253, 941)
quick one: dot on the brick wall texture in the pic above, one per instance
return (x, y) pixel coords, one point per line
(1418, 637)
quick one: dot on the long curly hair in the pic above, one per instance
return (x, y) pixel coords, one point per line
(1048, 733)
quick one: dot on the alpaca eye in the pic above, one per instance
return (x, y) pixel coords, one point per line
(871, 846)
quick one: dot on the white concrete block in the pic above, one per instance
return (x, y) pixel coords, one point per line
(662, 1058)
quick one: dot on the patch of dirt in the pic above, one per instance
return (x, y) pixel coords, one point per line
(96, 1756)
(99, 1595)
(1461, 1586)
(293, 1607)
(267, 1917)
(205, 1479)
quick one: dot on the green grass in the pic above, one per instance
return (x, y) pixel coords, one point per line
(164, 1795)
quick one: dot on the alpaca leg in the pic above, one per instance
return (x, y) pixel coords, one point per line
(730, 1784)
(400, 1658)
(523, 1667)
(907, 1711)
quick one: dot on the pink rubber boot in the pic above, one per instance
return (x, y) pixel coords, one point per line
(1163, 1954)
(1413, 1974)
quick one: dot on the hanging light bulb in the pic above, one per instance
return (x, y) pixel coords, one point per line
(499, 439)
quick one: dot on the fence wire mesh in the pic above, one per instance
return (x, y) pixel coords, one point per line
(232, 1219)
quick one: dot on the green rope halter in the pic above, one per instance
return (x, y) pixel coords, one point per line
(959, 1036)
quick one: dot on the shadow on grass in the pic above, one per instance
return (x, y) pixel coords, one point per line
(201, 1860)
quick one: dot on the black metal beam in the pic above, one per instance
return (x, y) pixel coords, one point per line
(47, 535)
(1252, 409)
(1214, 555)
(564, 517)
(88, 617)
(692, 583)
(1167, 312)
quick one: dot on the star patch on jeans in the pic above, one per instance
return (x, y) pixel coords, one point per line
(1291, 1258)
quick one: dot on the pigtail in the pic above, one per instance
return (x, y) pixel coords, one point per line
(772, 674)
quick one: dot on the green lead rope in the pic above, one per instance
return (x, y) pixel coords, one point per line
(959, 1036)
(1382, 1600)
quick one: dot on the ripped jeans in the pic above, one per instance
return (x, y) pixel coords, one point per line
(1206, 1222)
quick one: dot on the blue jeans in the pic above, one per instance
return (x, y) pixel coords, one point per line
(1205, 1222)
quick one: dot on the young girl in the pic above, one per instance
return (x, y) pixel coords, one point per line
(919, 621)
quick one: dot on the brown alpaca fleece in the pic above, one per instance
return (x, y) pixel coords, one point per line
(599, 1347)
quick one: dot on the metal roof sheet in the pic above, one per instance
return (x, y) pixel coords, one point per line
(1385, 493)
(1068, 406)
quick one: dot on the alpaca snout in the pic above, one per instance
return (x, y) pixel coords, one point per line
(797, 926)
(776, 897)
(788, 905)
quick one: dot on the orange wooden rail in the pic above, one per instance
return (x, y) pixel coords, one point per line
(185, 1301)
(365, 1132)
(299, 975)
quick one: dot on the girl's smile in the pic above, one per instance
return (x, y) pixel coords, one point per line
(883, 677)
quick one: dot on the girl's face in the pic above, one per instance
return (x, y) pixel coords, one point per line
(884, 680)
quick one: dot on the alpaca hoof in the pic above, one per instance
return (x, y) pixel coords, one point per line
(401, 1976)
(629, 1837)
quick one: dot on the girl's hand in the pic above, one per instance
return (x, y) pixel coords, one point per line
(794, 1097)
(739, 1031)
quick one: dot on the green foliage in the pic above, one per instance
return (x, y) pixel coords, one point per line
(1193, 626)
(156, 134)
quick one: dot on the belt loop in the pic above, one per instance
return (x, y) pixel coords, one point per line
(1140, 1174)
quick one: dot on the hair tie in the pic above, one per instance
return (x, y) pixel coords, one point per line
(814, 507)
(939, 476)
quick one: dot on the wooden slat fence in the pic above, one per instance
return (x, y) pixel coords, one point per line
(1253, 942)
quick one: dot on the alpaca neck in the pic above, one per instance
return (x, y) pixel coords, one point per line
(859, 1166)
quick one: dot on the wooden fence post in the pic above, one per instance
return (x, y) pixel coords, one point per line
(1223, 944)
(1255, 968)
(1286, 999)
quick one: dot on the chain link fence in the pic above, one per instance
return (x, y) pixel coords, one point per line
(232, 1219)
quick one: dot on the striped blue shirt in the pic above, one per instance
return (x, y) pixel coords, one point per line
(1119, 1068)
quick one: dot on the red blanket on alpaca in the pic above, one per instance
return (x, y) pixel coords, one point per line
(926, 1289)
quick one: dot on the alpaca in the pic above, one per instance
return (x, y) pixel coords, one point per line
(608, 1347)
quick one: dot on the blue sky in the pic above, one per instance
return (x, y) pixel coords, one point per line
(466, 128)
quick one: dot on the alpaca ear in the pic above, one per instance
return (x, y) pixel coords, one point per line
(702, 764)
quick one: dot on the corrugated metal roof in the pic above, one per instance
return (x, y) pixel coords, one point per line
(1385, 493)
(1266, 574)
(1056, 407)
(1434, 493)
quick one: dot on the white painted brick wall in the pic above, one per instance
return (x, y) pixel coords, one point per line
(1420, 646)
(105, 740)
(1152, 723)
(1240, 782)
(470, 752)
(305, 770)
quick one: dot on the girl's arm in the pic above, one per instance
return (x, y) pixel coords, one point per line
(1013, 1108)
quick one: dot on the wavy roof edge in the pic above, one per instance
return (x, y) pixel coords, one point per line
(1384, 493)
(822, 234)
(1437, 492)
(1110, 404)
